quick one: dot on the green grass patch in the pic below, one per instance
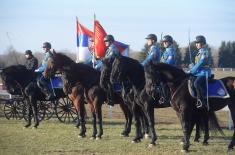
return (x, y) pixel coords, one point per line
(56, 138)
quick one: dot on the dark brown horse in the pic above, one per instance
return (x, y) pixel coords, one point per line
(81, 83)
(184, 104)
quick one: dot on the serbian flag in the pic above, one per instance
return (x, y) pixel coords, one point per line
(83, 35)
(100, 49)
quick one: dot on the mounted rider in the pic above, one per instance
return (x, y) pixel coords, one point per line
(201, 70)
(110, 53)
(168, 55)
(44, 82)
(154, 53)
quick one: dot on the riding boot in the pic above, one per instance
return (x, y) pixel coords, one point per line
(201, 101)
(46, 90)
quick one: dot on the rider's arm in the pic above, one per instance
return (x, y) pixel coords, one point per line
(198, 64)
(170, 56)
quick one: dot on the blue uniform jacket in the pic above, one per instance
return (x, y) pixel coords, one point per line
(168, 56)
(154, 55)
(202, 63)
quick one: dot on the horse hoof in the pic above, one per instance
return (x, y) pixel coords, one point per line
(98, 138)
(205, 143)
(34, 128)
(151, 145)
(146, 136)
(92, 138)
(181, 143)
(133, 142)
(81, 136)
(184, 151)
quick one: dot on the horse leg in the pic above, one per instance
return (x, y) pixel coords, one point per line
(128, 117)
(136, 112)
(150, 115)
(100, 121)
(93, 121)
(197, 134)
(35, 110)
(30, 113)
(206, 129)
(232, 110)
(186, 130)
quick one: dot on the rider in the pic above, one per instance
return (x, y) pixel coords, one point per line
(154, 53)
(43, 82)
(111, 51)
(201, 70)
(168, 55)
(31, 62)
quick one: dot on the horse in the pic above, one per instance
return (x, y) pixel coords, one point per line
(21, 81)
(125, 68)
(81, 83)
(183, 102)
(126, 93)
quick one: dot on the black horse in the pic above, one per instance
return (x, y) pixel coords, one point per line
(20, 81)
(128, 69)
(184, 104)
(81, 83)
(126, 93)
(125, 69)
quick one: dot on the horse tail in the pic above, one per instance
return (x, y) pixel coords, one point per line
(213, 123)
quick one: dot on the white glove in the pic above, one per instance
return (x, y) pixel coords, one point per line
(188, 72)
(36, 70)
(191, 65)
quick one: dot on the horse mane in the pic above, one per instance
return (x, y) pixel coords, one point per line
(63, 58)
(169, 71)
(132, 62)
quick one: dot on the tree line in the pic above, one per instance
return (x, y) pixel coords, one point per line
(224, 58)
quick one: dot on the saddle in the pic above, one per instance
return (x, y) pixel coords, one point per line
(216, 89)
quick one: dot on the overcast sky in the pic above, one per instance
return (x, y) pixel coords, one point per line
(29, 23)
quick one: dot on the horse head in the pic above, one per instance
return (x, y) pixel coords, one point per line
(105, 73)
(58, 62)
(15, 78)
(152, 78)
(119, 69)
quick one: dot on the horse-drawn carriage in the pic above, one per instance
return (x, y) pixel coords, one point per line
(15, 106)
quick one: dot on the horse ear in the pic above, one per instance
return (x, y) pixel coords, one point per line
(53, 52)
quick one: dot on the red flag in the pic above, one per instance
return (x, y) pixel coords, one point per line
(99, 34)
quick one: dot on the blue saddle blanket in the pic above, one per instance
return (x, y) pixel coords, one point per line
(56, 82)
(117, 87)
(216, 89)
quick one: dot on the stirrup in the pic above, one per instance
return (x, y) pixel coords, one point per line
(161, 100)
(199, 103)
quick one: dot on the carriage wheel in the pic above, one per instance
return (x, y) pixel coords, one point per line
(48, 107)
(14, 109)
(65, 111)
(41, 112)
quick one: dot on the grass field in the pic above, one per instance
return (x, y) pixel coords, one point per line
(56, 138)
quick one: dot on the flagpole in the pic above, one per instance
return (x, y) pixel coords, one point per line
(77, 48)
(93, 55)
